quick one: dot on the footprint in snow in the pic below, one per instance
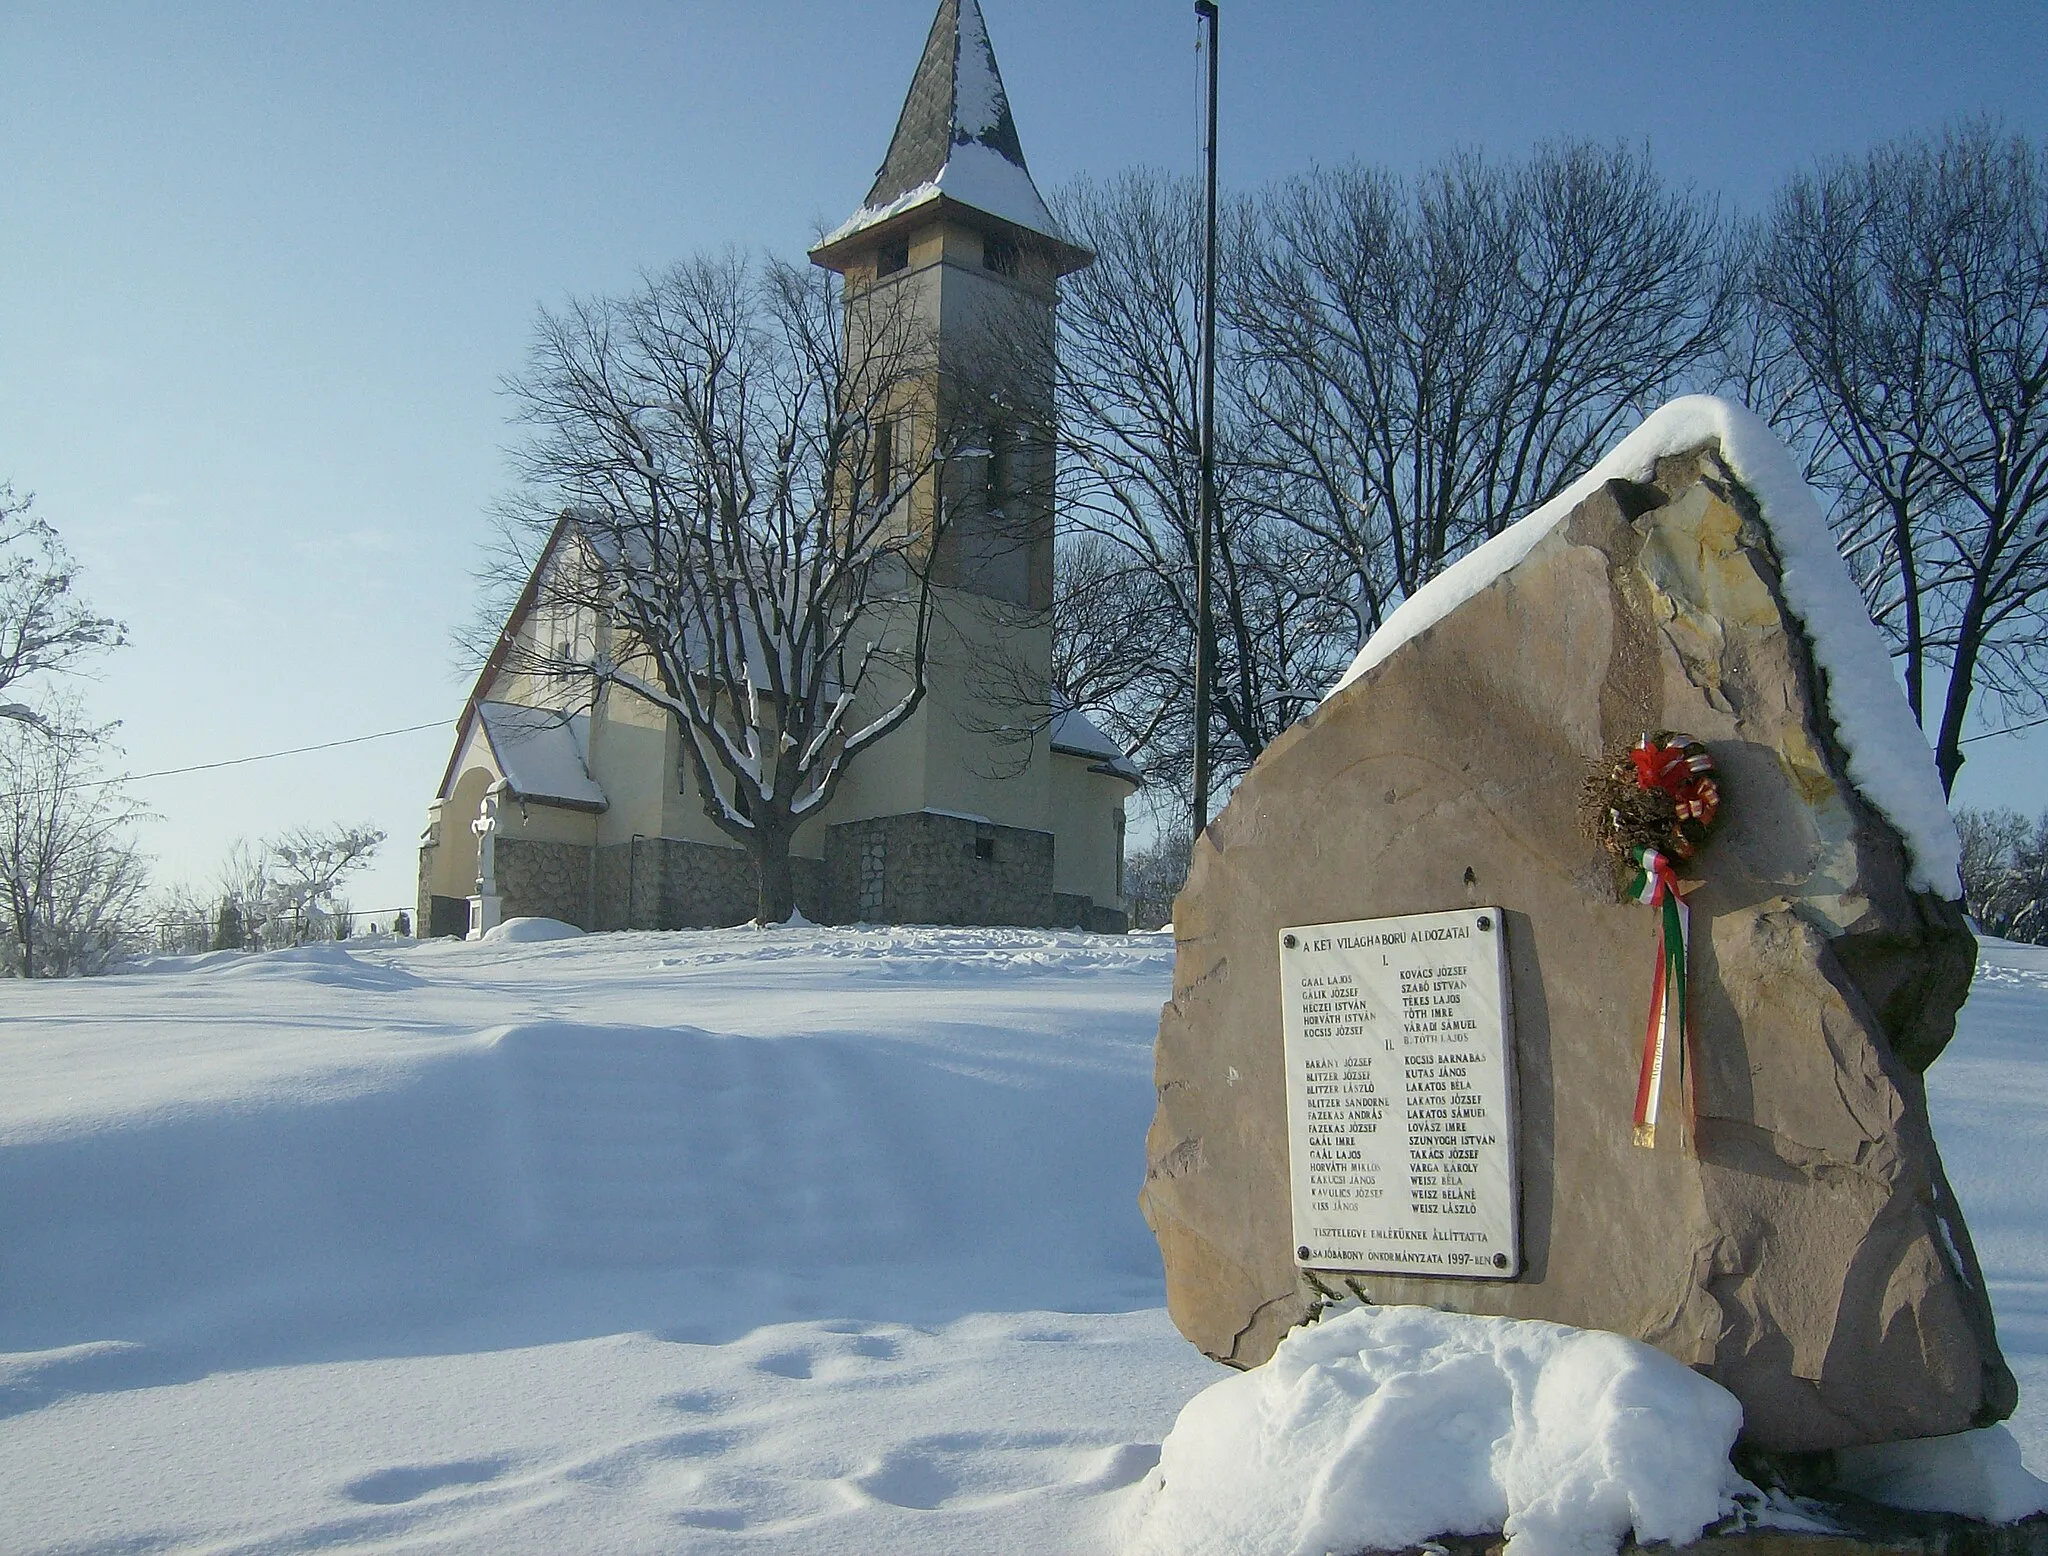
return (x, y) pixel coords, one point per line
(698, 1402)
(978, 1469)
(847, 1351)
(631, 1463)
(410, 1482)
(786, 1364)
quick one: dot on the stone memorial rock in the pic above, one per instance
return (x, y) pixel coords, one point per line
(1803, 1249)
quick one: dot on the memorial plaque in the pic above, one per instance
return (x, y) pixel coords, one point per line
(1400, 1095)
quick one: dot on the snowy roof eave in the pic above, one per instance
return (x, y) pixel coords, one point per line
(871, 226)
(1075, 734)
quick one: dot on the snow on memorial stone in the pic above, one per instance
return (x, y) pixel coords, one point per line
(1804, 1249)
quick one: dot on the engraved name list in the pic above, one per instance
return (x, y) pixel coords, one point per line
(1400, 1093)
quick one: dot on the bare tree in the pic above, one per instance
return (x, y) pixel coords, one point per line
(44, 626)
(306, 868)
(1427, 362)
(280, 891)
(182, 918)
(245, 893)
(739, 458)
(1156, 871)
(1120, 651)
(1128, 421)
(1911, 288)
(2005, 872)
(71, 881)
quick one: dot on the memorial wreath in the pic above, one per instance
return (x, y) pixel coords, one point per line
(1651, 804)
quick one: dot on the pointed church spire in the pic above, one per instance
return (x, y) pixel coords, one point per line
(955, 139)
(956, 99)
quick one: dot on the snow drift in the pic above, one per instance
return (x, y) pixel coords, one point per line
(1381, 1427)
(1977, 1474)
(813, 1241)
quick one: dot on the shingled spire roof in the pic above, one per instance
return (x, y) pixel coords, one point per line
(954, 139)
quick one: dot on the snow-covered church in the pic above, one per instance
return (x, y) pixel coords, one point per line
(594, 818)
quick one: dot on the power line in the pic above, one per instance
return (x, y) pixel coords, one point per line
(242, 761)
(267, 756)
(2010, 729)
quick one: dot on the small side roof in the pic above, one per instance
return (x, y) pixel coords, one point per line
(1074, 734)
(543, 754)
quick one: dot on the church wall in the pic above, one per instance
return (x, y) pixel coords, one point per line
(987, 672)
(939, 759)
(531, 821)
(637, 758)
(630, 757)
(1088, 813)
(998, 330)
(449, 857)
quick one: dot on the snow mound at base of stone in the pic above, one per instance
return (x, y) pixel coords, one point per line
(1977, 1474)
(527, 931)
(1381, 1427)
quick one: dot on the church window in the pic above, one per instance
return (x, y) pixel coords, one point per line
(985, 848)
(1117, 818)
(884, 451)
(999, 253)
(1002, 459)
(892, 258)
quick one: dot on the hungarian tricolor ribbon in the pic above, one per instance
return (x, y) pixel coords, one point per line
(1655, 885)
(1651, 806)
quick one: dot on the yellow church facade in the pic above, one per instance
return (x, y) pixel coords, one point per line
(977, 810)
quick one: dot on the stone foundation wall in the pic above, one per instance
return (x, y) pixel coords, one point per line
(909, 869)
(672, 883)
(543, 880)
(925, 869)
(1071, 910)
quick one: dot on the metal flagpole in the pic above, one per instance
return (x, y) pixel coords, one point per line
(1205, 631)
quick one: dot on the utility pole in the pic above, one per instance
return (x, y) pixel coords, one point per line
(1205, 629)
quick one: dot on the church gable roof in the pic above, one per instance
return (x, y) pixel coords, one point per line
(955, 138)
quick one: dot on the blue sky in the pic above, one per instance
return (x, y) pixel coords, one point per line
(263, 268)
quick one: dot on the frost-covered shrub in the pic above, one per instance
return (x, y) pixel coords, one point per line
(2005, 872)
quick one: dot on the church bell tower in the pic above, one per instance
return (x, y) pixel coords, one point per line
(956, 231)
(991, 803)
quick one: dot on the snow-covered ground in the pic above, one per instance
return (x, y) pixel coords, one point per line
(796, 1240)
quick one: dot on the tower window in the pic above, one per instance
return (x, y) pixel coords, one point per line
(892, 258)
(985, 848)
(884, 475)
(999, 253)
(1002, 461)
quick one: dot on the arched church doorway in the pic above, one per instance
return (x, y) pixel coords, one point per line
(453, 877)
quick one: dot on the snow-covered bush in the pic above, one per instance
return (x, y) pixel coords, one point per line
(2005, 872)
